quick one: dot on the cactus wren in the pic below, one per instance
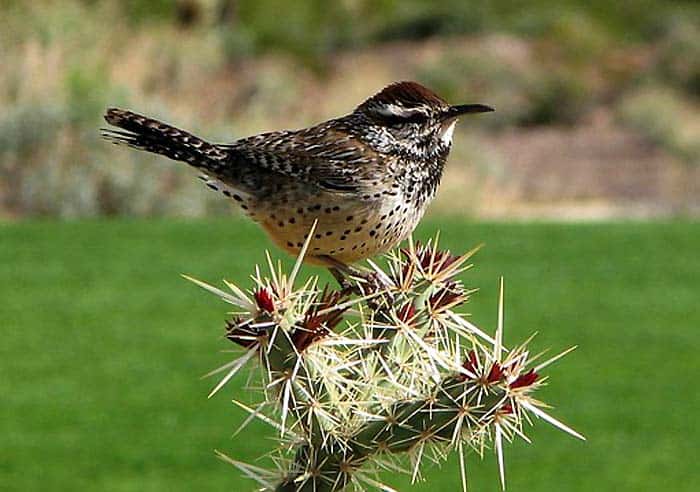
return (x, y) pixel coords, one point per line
(367, 177)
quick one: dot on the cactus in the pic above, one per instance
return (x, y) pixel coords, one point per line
(356, 379)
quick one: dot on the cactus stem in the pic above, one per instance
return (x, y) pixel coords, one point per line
(354, 379)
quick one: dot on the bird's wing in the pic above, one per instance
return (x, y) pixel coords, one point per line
(332, 159)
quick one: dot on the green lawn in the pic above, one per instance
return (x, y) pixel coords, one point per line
(103, 344)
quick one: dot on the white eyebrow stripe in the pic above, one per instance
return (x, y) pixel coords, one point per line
(396, 110)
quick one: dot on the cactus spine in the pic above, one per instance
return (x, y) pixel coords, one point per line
(355, 380)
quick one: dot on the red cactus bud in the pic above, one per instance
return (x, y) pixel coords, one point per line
(428, 256)
(303, 337)
(445, 258)
(525, 379)
(495, 374)
(242, 334)
(446, 297)
(263, 299)
(316, 326)
(471, 363)
(507, 408)
(407, 312)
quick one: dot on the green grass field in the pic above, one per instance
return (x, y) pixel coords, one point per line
(103, 344)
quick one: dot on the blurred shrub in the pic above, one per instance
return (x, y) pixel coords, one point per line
(237, 42)
(25, 127)
(53, 163)
(678, 59)
(555, 97)
(576, 37)
(308, 30)
(87, 93)
(524, 93)
(311, 29)
(27, 131)
(666, 118)
(149, 10)
(415, 20)
(464, 78)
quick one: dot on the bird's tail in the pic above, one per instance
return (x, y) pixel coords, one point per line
(142, 133)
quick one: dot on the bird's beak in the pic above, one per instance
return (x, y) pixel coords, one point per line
(456, 111)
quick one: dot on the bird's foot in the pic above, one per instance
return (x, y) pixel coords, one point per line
(349, 278)
(346, 286)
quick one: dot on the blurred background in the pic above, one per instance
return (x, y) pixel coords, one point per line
(598, 122)
(597, 102)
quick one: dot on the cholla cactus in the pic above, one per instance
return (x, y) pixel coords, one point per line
(354, 380)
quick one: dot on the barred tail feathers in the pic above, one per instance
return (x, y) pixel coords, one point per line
(142, 133)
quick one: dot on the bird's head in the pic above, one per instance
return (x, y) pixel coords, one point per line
(408, 117)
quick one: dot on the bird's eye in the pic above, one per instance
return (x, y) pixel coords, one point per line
(395, 120)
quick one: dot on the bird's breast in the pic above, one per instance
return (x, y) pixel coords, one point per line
(347, 229)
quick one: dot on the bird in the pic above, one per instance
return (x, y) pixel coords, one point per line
(364, 179)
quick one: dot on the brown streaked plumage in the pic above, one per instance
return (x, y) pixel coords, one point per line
(367, 177)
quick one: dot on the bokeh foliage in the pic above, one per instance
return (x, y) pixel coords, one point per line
(229, 68)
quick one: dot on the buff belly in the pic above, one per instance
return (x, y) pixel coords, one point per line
(347, 231)
(349, 228)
